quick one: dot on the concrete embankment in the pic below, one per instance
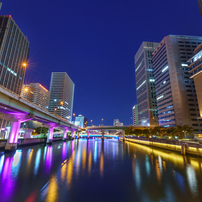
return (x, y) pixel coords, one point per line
(29, 141)
(183, 147)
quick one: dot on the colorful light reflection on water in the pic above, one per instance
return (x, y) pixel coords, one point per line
(90, 170)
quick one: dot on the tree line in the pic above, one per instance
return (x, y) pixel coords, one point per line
(162, 132)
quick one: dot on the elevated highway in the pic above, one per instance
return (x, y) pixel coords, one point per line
(16, 109)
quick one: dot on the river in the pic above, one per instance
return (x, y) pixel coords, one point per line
(90, 170)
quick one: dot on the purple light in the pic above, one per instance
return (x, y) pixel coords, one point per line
(14, 132)
(48, 158)
(65, 134)
(64, 150)
(50, 133)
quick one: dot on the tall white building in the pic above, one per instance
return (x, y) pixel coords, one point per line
(145, 85)
(61, 95)
(135, 115)
(175, 91)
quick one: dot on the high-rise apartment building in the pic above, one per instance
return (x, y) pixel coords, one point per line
(36, 93)
(200, 6)
(175, 91)
(14, 52)
(145, 85)
(135, 115)
(61, 95)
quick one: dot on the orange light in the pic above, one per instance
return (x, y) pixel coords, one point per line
(61, 102)
(24, 64)
(26, 89)
(43, 87)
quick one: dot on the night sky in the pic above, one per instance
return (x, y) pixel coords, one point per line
(95, 41)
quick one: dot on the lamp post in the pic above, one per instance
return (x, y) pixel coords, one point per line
(24, 65)
(102, 121)
(74, 117)
(91, 122)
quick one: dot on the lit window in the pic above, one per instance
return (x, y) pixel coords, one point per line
(164, 69)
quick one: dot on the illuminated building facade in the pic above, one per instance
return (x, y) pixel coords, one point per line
(175, 91)
(61, 95)
(116, 122)
(36, 93)
(135, 115)
(200, 6)
(81, 121)
(196, 71)
(145, 85)
(14, 52)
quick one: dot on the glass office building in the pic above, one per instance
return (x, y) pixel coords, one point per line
(175, 91)
(14, 52)
(145, 85)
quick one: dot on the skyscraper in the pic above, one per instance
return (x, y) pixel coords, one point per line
(200, 6)
(61, 95)
(81, 121)
(135, 115)
(36, 93)
(175, 91)
(14, 52)
(145, 87)
(196, 70)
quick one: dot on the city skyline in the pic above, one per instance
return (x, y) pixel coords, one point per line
(101, 62)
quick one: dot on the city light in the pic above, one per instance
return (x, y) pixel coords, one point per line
(24, 64)
(164, 69)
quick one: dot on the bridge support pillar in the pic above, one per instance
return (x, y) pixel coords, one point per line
(123, 135)
(73, 133)
(88, 132)
(50, 135)
(65, 134)
(103, 135)
(12, 141)
(77, 134)
(13, 136)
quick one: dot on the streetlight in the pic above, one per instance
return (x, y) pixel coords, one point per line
(24, 65)
(74, 116)
(91, 122)
(102, 121)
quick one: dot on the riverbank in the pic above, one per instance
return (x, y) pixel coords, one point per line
(181, 146)
(29, 141)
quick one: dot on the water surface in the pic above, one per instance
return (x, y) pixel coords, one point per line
(89, 170)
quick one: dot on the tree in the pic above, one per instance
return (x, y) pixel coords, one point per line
(146, 132)
(138, 132)
(172, 131)
(182, 131)
(129, 131)
(40, 130)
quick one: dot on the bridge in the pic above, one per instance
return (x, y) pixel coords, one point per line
(16, 109)
(123, 128)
